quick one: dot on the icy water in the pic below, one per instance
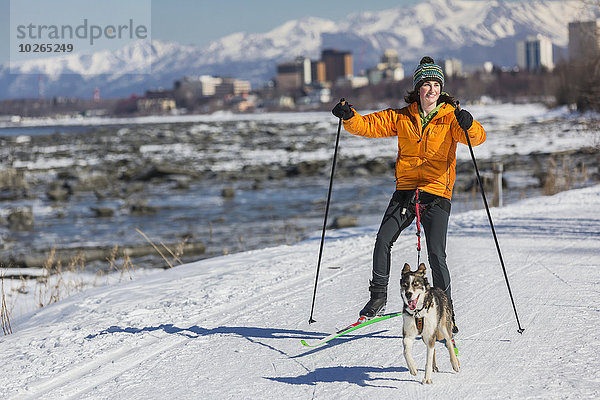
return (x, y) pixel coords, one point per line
(277, 165)
(43, 130)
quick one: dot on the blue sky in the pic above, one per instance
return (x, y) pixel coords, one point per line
(200, 22)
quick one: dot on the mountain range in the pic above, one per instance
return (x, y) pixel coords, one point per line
(472, 31)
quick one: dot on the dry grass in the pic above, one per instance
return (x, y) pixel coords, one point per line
(175, 254)
(58, 281)
(126, 267)
(563, 175)
(4, 313)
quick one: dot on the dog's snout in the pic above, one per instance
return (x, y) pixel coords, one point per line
(409, 295)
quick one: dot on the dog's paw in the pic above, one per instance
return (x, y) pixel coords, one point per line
(427, 381)
(412, 370)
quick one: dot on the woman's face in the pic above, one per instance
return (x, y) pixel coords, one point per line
(429, 93)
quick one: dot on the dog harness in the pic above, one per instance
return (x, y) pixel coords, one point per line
(419, 322)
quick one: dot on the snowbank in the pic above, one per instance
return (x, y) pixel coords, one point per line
(230, 327)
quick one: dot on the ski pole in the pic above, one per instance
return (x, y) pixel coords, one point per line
(487, 209)
(337, 141)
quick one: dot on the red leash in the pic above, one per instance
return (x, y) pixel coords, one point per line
(418, 214)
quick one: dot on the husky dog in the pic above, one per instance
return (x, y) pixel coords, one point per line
(432, 305)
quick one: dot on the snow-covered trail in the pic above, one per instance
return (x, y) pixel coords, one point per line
(230, 327)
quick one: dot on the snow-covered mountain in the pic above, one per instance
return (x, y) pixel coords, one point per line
(473, 31)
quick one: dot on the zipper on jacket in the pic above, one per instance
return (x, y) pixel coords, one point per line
(448, 188)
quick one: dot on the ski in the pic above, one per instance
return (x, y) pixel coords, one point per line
(455, 346)
(362, 322)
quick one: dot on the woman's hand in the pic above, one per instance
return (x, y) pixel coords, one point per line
(464, 118)
(343, 110)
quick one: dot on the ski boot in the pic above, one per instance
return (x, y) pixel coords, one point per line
(376, 305)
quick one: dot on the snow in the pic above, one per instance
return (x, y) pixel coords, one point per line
(230, 327)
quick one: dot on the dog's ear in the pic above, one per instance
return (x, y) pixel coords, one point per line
(426, 282)
(422, 269)
(406, 269)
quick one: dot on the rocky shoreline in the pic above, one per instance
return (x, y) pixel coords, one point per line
(69, 256)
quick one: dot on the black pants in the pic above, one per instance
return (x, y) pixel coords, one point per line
(399, 215)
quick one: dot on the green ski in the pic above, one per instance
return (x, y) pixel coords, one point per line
(362, 322)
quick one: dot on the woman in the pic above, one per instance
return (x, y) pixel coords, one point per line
(428, 130)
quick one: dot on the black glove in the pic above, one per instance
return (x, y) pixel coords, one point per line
(464, 118)
(343, 111)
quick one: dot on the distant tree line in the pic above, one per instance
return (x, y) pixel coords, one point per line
(579, 84)
(54, 106)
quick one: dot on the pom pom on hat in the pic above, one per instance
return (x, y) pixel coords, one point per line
(427, 71)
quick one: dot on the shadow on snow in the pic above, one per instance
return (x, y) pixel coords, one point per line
(243, 331)
(361, 376)
(197, 331)
(249, 333)
(358, 375)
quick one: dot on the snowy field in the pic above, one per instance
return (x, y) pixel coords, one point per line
(230, 327)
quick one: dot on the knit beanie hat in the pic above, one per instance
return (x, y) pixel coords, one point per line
(427, 71)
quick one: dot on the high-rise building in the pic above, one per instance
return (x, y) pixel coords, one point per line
(318, 71)
(295, 74)
(232, 86)
(289, 75)
(452, 67)
(535, 53)
(208, 86)
(389, 69)
(198, 86)
(338, 64)
(306, 69)
(584, 39)
(390, 57)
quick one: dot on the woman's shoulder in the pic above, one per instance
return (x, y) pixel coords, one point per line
(401, 110)
(408, 111)
(405, 113)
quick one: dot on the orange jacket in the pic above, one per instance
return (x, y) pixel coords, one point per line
(426, 158)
